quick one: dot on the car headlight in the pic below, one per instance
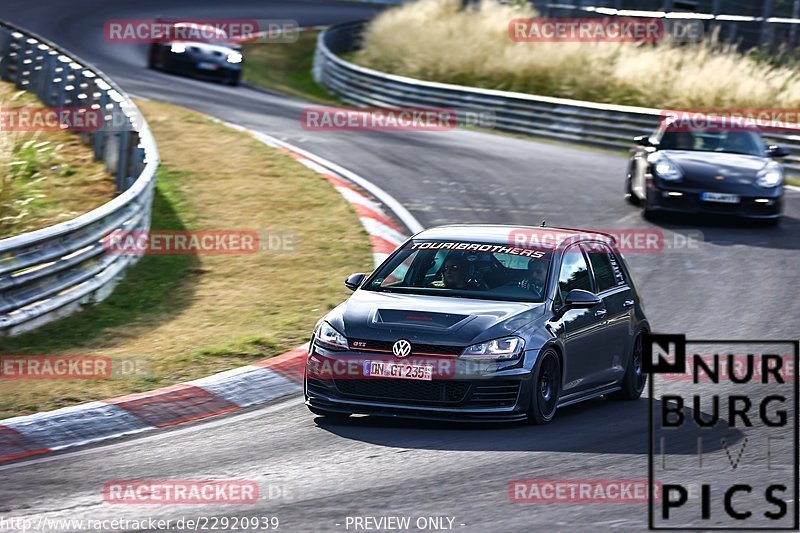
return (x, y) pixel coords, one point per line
(666, 169)
(234, 57)
(769, 177)
(177, 48)
(328, 336)
(496, 349)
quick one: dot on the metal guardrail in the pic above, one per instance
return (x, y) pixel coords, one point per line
(52, 272)
(601, 125)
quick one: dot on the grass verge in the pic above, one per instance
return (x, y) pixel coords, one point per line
(47, 176)
(285, 68)
(182, 317)
(435, 40)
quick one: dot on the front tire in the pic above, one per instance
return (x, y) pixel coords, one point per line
(545, 389)
(634, 380)
(630, 197)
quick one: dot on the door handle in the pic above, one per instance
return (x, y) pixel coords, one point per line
(600, 312)
(628, 303)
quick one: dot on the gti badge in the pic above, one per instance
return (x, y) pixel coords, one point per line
(401, 348)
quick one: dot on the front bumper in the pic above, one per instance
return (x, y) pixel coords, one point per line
(766, 204)
(189, 65)
(478, 396)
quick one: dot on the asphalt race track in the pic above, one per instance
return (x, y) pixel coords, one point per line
(739, 282)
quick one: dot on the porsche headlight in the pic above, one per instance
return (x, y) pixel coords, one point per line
(666, 169)
(177, 48)
(496, 349)
(329, 337)
(234, 57)
(770, 177)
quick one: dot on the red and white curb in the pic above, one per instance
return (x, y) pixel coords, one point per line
(222, 393)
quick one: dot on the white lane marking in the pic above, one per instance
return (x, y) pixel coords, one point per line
(201, 426)
(387, 199)
(794, 188)
(383, 231)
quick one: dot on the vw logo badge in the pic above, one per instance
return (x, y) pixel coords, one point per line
(402, 348)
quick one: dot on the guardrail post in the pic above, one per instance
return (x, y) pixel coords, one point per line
(793, 29)
(137, 162)
(101, 135)
(5, 50)
(766, 35)
(22, 52)
(61, 86)
(122, 160)
(45, 89)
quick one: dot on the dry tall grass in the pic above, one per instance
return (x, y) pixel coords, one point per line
(433, 40)
(46, 177)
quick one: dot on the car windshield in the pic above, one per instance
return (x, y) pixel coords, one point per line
(466, 270)
(734, 142)
(200, 33)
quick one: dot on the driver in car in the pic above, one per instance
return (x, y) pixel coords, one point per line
(536, 278)
(455, 274)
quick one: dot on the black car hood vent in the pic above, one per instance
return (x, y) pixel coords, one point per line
(400, 317)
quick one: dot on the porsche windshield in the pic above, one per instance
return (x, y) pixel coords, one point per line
(732, 142)
(466, 270)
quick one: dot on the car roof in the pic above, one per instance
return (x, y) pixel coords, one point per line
(548, 236)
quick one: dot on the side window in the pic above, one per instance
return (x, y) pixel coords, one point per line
(574, 272)
(619, 277)
(604, 271)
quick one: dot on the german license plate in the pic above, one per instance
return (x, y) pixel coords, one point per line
(719, 197)
(207, 66)
(387, 369)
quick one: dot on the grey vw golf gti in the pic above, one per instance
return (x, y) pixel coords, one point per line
(482, 323)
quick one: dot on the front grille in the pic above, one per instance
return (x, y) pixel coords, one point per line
(494, 394)
(405, 391)
(416, 348)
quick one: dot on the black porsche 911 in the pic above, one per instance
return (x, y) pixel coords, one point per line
(467, 323)
(717, 172)
(214, 58)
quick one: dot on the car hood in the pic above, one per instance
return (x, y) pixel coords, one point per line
(429, 319)
(707, 167)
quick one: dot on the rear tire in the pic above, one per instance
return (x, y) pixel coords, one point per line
(151, 56)
(634, 381)
(545, 389)
(630, 197)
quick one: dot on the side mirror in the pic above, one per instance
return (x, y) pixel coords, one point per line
(581, 299)
(642, 140)
(354, 281)
(775, 150)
